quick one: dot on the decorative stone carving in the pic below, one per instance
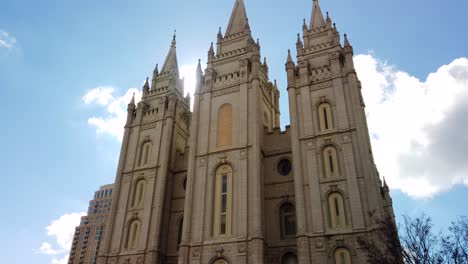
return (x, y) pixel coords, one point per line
(219, 251)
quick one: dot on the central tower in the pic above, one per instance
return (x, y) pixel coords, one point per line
(234, 103)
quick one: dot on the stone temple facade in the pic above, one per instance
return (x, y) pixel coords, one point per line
(223, 184)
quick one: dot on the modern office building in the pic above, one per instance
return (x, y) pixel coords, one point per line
(88, 234)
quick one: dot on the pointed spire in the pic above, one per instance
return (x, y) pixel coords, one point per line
(199, 69)
(211, 52)
(276, 85)
(220, 35)
(171, 60)
(346, 41)
(328, 19)
(299, 41)
(317, 16)
(289, 56)
(132, 102)
(304, 25)
(146, 85)
(238, 22)
(156, 70)
(265, 61)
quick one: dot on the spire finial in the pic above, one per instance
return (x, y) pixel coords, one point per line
(220, 35)
(199, 70)
(289, 56)
(156, 70)
(146, 85)
(346, 41)
(132, 102)
(173, 44)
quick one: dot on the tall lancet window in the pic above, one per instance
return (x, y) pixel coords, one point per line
(145, 153)
(138, 193)
(133, 234)
(325, 117)
(223, 201)
(336, 210)
(342, 256)
(224, 135)
(330, 162)
(287, 221)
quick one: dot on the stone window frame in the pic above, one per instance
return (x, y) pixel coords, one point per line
(221, 171)
(283, 235)
(138, 192)
(132, 235)
(332, 225)
(289, 253)
(335, 158)
(145, 153)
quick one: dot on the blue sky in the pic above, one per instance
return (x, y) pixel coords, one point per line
(53, 53)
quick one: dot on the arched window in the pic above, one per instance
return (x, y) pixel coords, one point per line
(224, 135)
(342, 256)
(337, 210)
(330, 162)
(223, 199)
(181, 226)
(138, 193)
(220, 261)
(287, 220)
(145, 154)
(133, 234)
(325, 117)
(289, 258)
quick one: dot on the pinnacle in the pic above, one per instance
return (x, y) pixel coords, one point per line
(289, 56)
(238, 22)
(346, 41)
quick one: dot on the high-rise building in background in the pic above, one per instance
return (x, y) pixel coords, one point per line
(88, 234)
(223, 184)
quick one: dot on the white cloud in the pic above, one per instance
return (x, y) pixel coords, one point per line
(418, 128)
(63, 260)
(115, 109)
(113, 121)
(101, 95)
(62, 231)
(47, 249)
(7, 40)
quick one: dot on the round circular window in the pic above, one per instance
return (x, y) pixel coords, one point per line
(284, 167)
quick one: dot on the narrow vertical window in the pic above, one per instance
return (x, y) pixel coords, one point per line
(133, 234)
(336, 210)
(330, 162)
(224, 133)
(222, 214)
(287, 220)
(145, 154)
(181, 225)
(325, 117)
(138, 193)
(342, 256)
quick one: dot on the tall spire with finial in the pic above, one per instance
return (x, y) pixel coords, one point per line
(317, 19)
(238, 22)
(171, 65)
